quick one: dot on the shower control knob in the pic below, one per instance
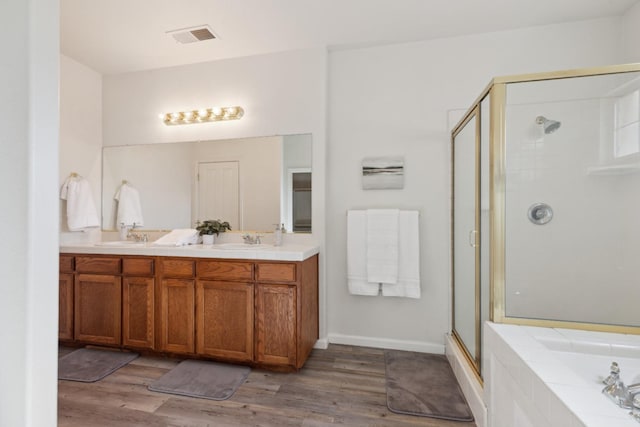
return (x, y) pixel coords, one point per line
(540, 213)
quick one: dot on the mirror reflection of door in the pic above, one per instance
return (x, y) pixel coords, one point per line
(219, 192)
(299, 200)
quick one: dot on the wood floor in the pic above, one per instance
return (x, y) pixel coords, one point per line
(341, 385)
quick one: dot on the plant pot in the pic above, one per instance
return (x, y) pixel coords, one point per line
(207, 239)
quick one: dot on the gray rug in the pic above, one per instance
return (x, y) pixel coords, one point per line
(206, 380)
(89, 365)
(424, 385)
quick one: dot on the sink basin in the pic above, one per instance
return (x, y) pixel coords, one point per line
(241, 246)
(120, 243)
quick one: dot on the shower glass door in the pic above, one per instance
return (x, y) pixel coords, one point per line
(466, 237)
(572, 202)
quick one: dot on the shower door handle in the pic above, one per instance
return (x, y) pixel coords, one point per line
(473, 242)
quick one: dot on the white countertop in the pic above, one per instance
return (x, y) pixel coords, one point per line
(287, 252)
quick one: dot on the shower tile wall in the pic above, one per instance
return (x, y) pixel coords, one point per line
(583, 265)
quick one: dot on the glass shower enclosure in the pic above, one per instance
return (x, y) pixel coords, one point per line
(546, 205)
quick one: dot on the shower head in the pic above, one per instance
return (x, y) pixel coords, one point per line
(549, 126)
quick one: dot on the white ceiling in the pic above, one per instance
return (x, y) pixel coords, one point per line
(116, 36)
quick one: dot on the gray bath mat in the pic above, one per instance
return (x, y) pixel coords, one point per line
(89, 365)
(424, 385)
(206, 380)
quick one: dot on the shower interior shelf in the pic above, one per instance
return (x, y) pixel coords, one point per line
(613, 169)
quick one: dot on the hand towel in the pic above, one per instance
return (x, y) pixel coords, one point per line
(357, 255)
(129, 209)
(81, 211)
(382, 245)
(179, 237)
(408, 284)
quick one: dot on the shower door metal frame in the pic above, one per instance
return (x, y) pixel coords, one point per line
(475, 360)
(498, 89)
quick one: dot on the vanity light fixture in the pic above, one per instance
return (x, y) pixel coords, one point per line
(214, 114)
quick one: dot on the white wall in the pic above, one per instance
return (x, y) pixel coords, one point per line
(631, 35)
(29, 41)
(393, 100)
(80, 134)
(280, 93)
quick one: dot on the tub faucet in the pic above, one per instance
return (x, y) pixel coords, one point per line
(615, 388)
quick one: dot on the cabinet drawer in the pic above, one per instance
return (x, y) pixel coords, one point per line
(66, 264)
(225, 270)
(100, 265)
(178, 268)
(276, 272)
(137, 266)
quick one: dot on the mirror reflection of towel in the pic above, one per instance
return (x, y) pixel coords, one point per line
(81, 211)
(129, 209)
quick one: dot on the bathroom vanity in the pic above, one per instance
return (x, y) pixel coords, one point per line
(256, 307)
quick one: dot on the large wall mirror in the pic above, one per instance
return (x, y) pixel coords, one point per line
(253, 183)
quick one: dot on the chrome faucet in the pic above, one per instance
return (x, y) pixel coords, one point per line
(138, 237)
(252, 240)
(622, 395)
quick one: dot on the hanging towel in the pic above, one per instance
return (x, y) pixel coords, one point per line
(357, 255)
(129, 210)
(179, 237)
(408, 284)
(81, 211)
(382, 245)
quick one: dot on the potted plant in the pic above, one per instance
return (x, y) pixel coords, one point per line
(210, 228)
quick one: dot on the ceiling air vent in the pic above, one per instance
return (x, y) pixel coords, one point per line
(193, 34)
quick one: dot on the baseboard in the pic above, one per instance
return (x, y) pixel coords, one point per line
(387, 343)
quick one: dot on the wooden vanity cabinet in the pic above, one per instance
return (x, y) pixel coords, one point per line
(138, 302)
(276, 324)
(224, 309)
(286, 312)
(65, 298)
(177, 305)
(98, 300)
(263, 313)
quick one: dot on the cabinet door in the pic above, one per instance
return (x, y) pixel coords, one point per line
(98, 308)
(65, 306)
(178, 307)
(276, 323)
(137, 311)
(224, 313)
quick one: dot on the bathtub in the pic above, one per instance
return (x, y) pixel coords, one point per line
(537, 377)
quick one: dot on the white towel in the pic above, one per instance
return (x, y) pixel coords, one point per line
(81, 211)
(129, 209)
(382, 245)
(408, 284)
(357, 255)
(179, 237)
